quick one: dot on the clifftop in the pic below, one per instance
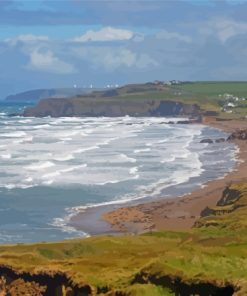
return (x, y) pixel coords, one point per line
(190, 99)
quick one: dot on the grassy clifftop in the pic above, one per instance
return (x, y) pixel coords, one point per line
(211, 259)
(143, 99)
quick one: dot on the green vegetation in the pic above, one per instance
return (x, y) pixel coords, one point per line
(213, 88)
(213, 253)
(197, 98)
(208, 95)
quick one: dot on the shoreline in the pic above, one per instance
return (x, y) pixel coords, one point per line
(180, 213)
(173, 213)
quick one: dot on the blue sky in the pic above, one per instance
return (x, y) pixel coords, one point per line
(47, 44)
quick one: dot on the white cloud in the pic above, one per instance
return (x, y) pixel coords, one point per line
(173, 35)
(27, 38)
(112, 58)
(105, 34)
(46, 61)
(223, 28)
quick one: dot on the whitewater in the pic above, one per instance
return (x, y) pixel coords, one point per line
(51, 168)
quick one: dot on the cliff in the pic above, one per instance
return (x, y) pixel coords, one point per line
(111, 107)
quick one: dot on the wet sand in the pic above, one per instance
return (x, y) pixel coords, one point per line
(176, 213)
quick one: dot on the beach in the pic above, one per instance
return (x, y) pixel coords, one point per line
(180, 213)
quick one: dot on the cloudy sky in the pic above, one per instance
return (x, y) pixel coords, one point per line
(59, 43)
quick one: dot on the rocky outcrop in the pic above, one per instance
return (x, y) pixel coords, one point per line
(238, 135)
(207, 141)
(220, 140)
(225, 205)
(111, 107)
(211, 141)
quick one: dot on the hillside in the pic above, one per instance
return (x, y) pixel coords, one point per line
(39, 94)
(208, 260)
(215, 98)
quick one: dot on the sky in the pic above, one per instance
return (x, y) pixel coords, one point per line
(62, 43)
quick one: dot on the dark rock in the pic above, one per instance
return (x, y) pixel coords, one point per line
(220, 140)
(183, 122)
(238, 135)
(209, 141)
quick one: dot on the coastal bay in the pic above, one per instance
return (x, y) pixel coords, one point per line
(181, 213)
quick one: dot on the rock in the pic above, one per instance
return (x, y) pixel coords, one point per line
(183, 122)
(220, 140)
(238, 135)
(209, 141)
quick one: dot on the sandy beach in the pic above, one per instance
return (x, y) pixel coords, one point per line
(180, 213)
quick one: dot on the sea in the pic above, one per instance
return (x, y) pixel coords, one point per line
(51, 168)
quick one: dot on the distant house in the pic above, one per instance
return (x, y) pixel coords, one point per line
(158, 82)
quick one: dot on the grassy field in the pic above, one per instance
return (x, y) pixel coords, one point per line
(214, 254)
(215, 88)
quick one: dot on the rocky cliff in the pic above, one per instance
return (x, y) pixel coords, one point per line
(112, 107)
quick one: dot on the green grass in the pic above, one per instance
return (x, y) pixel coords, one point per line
(205, 94)
(216, 254)
(215, 88)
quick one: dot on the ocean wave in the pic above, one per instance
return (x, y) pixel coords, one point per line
(25, 121)
(73, 168)
(126, 158)
(133, 171)
(108, 182)
(65, 139)
(80, 150)
(142, 150)
(62, 171)
(51, 175)
(11, 186)
(67, 134)
(63, 224)
(6, 156)
(64, 157)
(41, 126)
(40, 165)
(17, 134)
(169, 159)
(24, 140)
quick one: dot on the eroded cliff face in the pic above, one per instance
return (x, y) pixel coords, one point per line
(13, 283)
(111, 107)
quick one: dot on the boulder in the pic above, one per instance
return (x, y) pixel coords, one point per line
(220, 140)
(208, 141)
(238, 135)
